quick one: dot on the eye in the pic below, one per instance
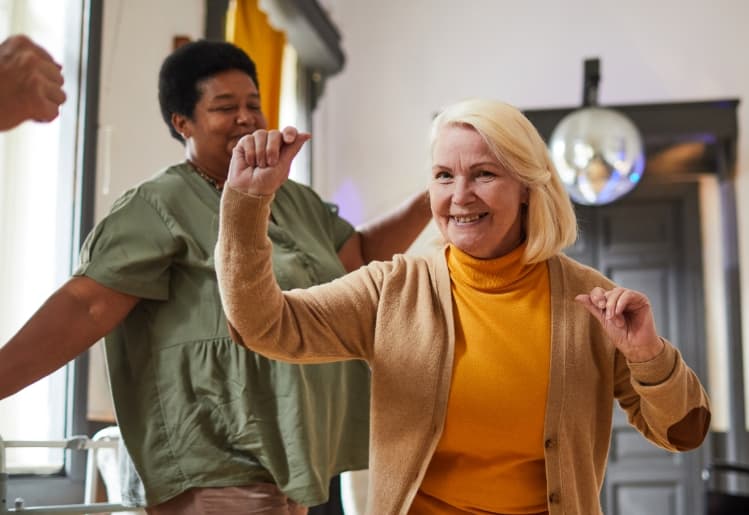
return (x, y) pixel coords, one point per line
(442, 176)
(253, 107)
(225, 108)
(485, 176)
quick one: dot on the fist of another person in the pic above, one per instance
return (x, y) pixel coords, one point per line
(261, 161)
(30, 83)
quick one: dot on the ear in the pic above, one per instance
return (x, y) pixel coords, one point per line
(182, 125)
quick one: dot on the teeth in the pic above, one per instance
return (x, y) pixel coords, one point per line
(466, 219)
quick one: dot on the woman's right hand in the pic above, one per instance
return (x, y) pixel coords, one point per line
(260, 161)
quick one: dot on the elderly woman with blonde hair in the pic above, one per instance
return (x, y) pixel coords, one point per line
(495, 362)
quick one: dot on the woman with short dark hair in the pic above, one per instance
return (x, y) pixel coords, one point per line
(210, 427)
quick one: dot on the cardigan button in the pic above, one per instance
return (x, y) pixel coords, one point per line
(553, 498)
(548, 443)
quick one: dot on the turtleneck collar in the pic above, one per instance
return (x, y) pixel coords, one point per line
(489, 275)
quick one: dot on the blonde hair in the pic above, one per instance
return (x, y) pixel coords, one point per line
(550, 225)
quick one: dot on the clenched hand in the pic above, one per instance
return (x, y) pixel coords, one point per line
(260, 161)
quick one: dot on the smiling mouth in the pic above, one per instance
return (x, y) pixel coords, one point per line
(467, 219)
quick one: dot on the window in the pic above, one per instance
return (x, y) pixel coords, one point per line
(37, 205)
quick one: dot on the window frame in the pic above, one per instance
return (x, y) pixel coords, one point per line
(80, 126)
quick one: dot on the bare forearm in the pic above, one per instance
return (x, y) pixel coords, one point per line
(67, 324)
(394, 232)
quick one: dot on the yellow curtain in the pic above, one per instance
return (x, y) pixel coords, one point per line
(248, 28)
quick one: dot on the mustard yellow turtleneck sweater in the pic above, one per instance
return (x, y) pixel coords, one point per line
(490, 458)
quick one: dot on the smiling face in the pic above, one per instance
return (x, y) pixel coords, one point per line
(476, 203)
(228, 108)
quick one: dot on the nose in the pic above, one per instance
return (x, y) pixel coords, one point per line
(245, 116)
(463, 193)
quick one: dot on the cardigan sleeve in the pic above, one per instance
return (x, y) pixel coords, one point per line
(663, 397)
(664, 400)
(330, 322)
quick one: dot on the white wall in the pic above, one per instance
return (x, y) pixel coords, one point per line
(134, 141)
(405, 59)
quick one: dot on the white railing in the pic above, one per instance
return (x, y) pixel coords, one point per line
(75, 443)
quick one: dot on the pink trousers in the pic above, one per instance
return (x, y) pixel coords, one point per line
(261, 498)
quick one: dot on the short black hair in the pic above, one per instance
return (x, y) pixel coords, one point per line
(191, 63)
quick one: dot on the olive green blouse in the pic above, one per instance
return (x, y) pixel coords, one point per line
(195, 409)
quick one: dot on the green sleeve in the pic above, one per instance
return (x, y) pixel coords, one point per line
(338, 229)
(131, 249)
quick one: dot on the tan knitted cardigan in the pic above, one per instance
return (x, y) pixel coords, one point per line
(397, 316)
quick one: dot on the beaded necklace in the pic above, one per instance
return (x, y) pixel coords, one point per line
(210, 180)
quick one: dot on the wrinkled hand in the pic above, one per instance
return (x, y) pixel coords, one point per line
(30, 83)
(260, 161)
(627, 318)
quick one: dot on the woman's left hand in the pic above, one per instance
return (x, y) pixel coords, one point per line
(627, 318)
